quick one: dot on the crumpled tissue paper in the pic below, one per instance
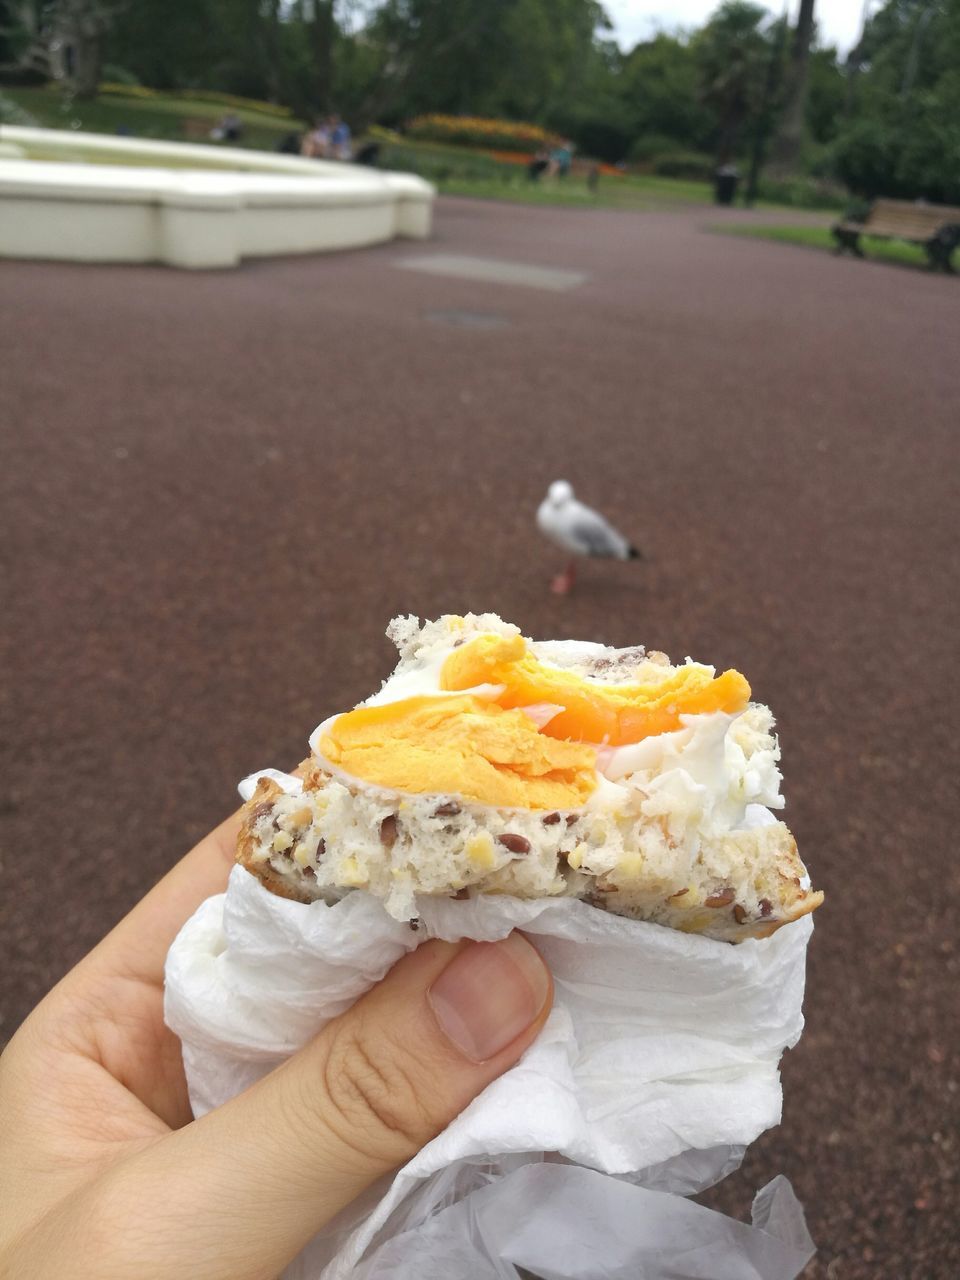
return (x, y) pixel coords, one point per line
(657, 1066)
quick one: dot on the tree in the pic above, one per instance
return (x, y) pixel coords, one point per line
(78, 28)
(659, 84)
(231, 45)
(24, 36)
(826, 95)
(164, 46)
(903, 135)
(560, 70)
(732, 56)
(439, 55)
(319, 17)
(7, 32)
(786, 147)
(765, 114)
(62, 39)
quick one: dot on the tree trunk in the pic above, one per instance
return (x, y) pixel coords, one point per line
(786, 147)
(729, 134)
(89, 60)
(855, 64)
(761, 135)
(272, 44)
(79, 26)
(321, 34)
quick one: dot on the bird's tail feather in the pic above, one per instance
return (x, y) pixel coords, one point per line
(634, 554)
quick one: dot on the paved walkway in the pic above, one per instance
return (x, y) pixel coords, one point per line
(220, 487)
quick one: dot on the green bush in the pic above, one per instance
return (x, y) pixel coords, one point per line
(22, 77)
(651, 146)
(114, 75)
(601, 130)
(865, 157)
(913, 155)
(693, 165)
(803, 193)
(444, 165)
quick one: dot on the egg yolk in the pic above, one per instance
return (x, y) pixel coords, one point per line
(491, 752)
(462, 746)
(592, 712)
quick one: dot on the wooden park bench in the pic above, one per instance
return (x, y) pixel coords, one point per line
(935, 226)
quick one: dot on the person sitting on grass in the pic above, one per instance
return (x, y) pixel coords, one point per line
(539, 164)
(230, 129)
(340, 148)
(316, 142)
(561, 157)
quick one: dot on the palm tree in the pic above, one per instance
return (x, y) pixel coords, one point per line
(732, 56)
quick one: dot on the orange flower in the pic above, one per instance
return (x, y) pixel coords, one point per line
(507, 135)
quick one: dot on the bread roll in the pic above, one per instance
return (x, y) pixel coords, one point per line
(488, 763)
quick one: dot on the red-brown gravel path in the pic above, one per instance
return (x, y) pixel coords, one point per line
(219, 487)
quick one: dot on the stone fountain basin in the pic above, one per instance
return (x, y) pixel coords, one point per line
(108, 205)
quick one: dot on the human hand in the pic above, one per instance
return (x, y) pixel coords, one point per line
(104, 1175)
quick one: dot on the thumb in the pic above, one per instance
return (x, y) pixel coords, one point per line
(251, 1182)
(370, 1090)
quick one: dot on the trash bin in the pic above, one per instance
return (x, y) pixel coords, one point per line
(725, 184)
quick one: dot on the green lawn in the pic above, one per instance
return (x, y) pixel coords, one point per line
(611, 193)
(820, 238)
(163, 116)
(464, 172)
(460, 171)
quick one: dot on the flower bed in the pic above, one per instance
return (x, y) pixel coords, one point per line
(510, 157)
(580, 165)
(507, 142)
(473, 131)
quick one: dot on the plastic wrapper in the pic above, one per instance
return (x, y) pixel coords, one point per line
(567, 1223)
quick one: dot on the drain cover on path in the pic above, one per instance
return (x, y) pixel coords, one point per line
(468, 319)
(493, 271)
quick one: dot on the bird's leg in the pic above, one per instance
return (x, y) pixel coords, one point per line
(562, 584)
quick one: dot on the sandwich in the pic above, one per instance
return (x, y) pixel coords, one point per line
(492, 764)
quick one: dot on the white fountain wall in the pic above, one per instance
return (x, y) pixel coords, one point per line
(93, 198)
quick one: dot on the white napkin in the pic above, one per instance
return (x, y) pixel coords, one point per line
(658, 1064)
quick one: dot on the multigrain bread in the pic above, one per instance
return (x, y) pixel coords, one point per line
(492, 764)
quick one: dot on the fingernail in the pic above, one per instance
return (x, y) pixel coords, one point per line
(489, 994)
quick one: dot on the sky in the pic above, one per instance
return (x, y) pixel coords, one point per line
(838, 21)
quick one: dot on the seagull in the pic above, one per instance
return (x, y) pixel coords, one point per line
(579, 529)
